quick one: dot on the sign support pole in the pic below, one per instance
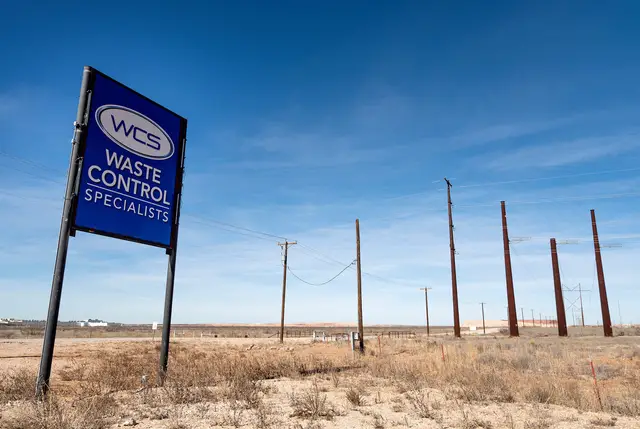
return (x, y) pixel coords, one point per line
(166, 321)
(44, 374)
(171, 271)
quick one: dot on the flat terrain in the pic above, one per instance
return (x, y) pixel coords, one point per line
(533, 382)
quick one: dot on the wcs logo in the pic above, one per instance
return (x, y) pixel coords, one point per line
(134, 132)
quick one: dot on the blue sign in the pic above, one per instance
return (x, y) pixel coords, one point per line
(131, 166)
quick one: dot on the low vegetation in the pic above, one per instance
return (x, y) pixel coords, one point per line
(235, 386)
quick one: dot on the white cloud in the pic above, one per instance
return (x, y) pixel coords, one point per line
(559, 153)
(222, 277)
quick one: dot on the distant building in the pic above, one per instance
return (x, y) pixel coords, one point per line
(92, 323)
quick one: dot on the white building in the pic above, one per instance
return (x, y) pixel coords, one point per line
(92, 324)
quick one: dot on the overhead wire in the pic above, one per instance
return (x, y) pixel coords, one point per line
(323, 283)
(241, 228)
(233, 231)
(328, 259)
(318, 257)
(538, 179)
(252, 233)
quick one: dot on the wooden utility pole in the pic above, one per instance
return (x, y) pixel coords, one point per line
(557, 285)
(426, 303)
(454, 281)
(484, 330)
(604, 302)
(511, 299)
(359, 270)
(285, 246)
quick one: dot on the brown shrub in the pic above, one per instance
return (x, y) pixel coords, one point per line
(17, 385)
(311, 403)
(56, 413)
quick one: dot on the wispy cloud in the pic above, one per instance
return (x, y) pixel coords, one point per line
(559, 153)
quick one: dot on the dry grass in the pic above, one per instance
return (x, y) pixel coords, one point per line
(311, 404)
(57, 413)
(17, 385)
(231, 386)
(609, 422)
(423, 405)
(355, 396)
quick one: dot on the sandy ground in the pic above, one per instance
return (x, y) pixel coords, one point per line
(384, 406)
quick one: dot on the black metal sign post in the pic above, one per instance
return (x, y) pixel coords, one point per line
(171, 269)
(44, 374)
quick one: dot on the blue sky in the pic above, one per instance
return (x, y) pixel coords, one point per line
(304, 116)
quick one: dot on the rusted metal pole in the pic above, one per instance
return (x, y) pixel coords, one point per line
(604, 302)
(557, 285)
(511, 299)
(454, 281)
(359, 270)
(484, 330)
(522, 310)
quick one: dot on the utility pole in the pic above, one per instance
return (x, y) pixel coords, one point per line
(557, 285)
(619, 315)
(522, 310)
(285, 246)
(426, 304)
(533, 319)
(359, 270)
(604, 302)
(484, 330)
(581, 307)
(511, 299)
(454, 281)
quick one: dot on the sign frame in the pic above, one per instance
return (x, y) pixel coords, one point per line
(180, 146)
(68, 226)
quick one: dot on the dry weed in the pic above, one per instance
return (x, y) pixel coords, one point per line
(423, 406)
(17, 385)
(476, 423)
(398, 404)
(265, 418)
(312, 404)
(234, 415)
(378, 422)
(55, 413)
(604, 422)
(355, 396)
(245, 391)
(542, 423)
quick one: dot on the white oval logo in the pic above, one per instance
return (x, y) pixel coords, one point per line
(134, 132)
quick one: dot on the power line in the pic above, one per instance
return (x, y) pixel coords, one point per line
(314, 253)
(265, 234)
(230, 230)
(556, 200)
(29, 162)
(323, 283)
(538, 179)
